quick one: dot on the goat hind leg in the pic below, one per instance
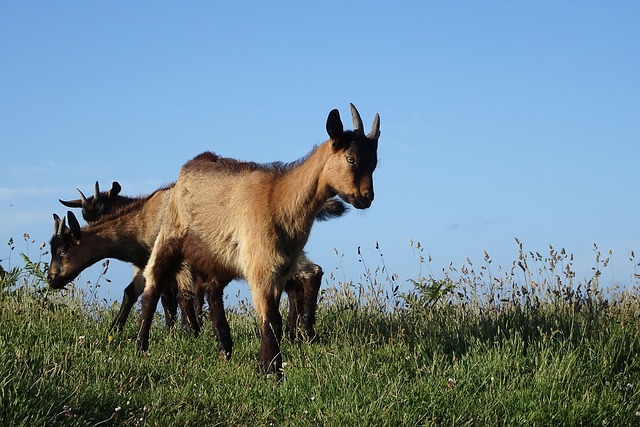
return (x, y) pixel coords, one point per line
(184, 288)
(170, 306)
(295, 293)
(219, 318)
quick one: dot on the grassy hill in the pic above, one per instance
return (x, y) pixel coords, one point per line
(528, 346)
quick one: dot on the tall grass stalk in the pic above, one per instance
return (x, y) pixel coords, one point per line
(474, 345)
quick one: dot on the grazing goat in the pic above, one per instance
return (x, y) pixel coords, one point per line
(95, 208)
(244, 220)
(126, 235)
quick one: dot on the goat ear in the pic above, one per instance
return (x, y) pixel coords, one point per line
(115, 189)
(77, 203)
(335, 128)
(74, 225)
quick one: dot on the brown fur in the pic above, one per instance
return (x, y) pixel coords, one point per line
(243, 220)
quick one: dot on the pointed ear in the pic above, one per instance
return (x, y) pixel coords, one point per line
(74, 225)
(335, 128)
(115, 190)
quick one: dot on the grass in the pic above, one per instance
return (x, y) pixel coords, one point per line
(527, 346)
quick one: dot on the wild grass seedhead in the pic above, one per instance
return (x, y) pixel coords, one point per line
(473, 342)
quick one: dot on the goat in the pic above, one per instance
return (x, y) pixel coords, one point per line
(135, 225)
(93, 209)
(244, 220)
(126, 235)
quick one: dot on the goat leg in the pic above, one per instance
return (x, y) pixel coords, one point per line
(295, 293)
(219, 318)
(311, 285)
(170, 307)
(128, 300)
(266, 298)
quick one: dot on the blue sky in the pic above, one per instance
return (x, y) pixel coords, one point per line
(499, 119)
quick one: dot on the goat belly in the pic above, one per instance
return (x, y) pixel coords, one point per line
(210, 260)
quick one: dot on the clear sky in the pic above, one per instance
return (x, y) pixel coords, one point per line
(499, 119)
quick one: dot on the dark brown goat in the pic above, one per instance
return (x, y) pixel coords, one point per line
(244, 220)
(97, 207)
(126, 235)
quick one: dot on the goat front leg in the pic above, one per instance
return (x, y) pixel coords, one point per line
(311, 285)
(149, 304)
(266, 299)
(129, 298)
(160, 276)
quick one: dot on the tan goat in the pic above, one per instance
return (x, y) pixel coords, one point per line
(244, 220)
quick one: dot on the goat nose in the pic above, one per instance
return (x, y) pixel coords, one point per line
(369, 195)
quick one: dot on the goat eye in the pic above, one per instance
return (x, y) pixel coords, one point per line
(351, 160)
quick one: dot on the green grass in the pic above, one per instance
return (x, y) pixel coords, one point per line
(529, 346)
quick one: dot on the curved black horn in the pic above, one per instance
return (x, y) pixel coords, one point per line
(83, 199)
(77, 203)
(358, 128)
(96, 193)
(375, 128)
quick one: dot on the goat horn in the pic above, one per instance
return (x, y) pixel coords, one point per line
(96, 191)
(63, 226)
(375, 128)
(77, 203)
(83, 199)
(56, 224)
(357, 121)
